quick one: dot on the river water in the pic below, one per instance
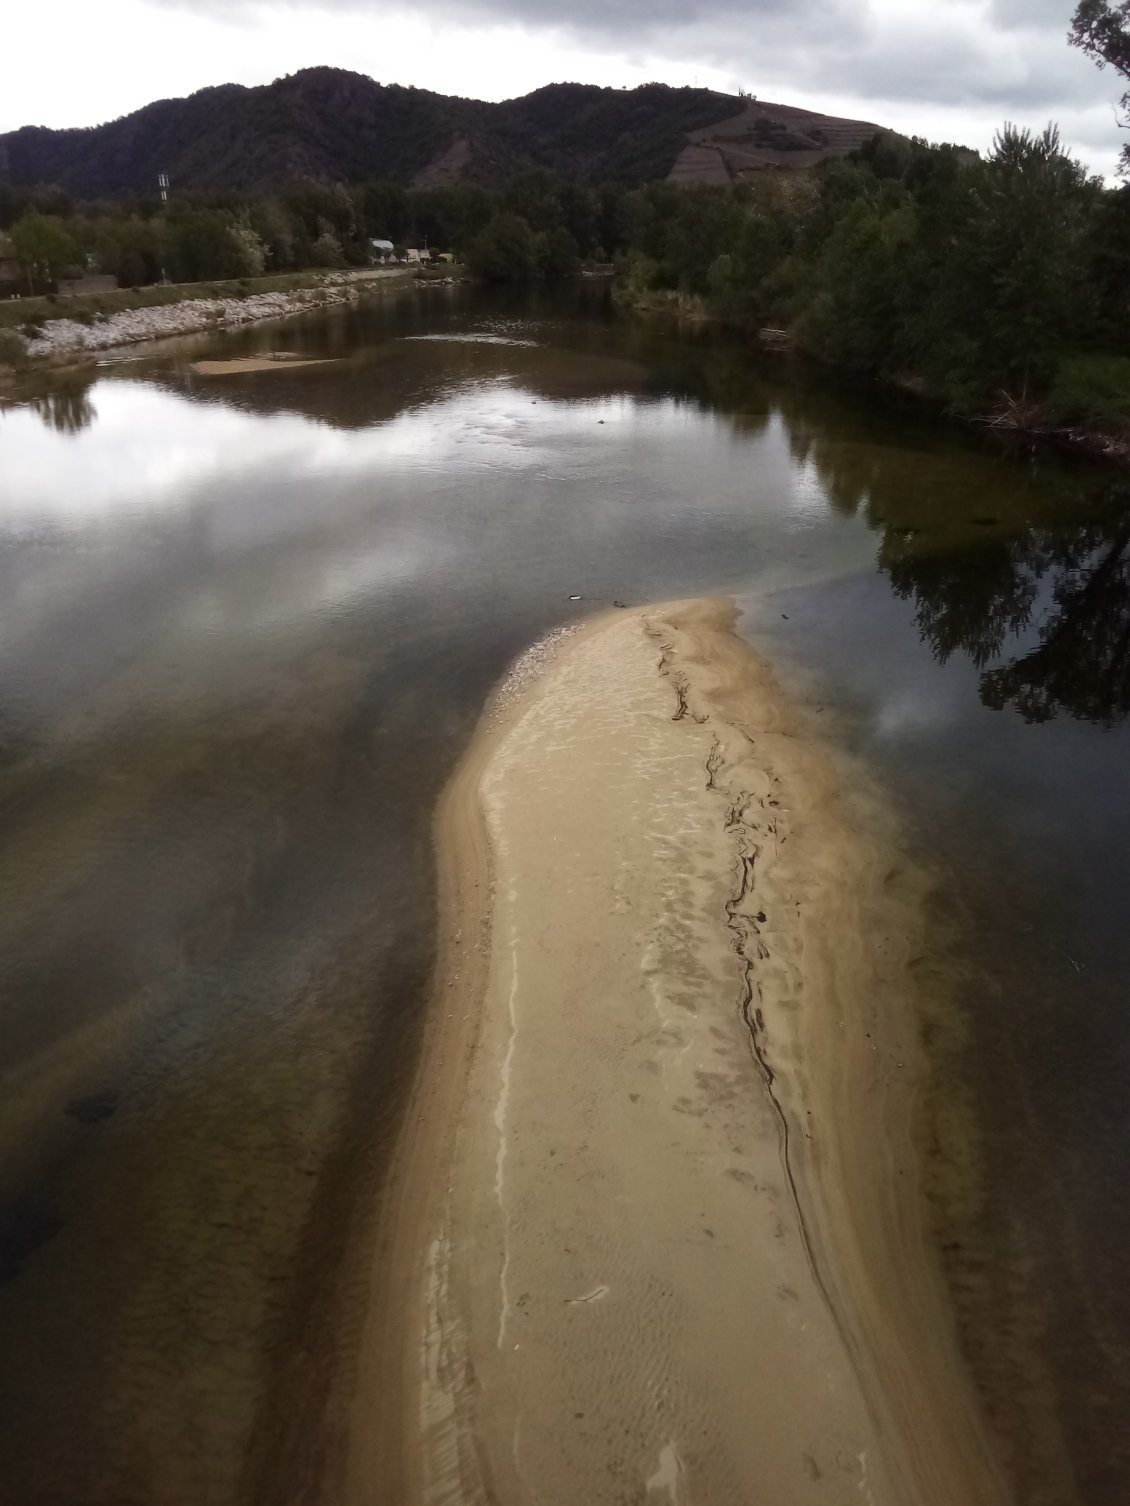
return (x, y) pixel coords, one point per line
(248, 623)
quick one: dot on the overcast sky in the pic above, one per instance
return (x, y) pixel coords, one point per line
(947, 69)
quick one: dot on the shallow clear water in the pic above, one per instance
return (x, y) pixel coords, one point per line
(246, 626)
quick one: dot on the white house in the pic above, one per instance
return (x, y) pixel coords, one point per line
(380, 251)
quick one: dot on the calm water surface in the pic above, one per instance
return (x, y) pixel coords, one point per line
(246, 626)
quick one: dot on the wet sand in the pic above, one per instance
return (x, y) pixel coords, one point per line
(273, 361)
(656, 1231)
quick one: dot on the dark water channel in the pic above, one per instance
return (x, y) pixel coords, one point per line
(247, 623)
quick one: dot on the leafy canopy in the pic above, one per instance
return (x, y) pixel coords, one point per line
(1102, 29)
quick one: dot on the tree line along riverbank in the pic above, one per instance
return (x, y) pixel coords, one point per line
(998, 285)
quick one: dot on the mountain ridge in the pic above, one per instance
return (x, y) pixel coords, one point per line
(335, 125)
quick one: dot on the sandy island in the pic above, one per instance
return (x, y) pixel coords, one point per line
(656, 1232)
(275, 360)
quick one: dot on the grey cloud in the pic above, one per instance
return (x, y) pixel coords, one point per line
(948, 66)
(626, 20)
(1007, 58)
(1042, 15)
(634, 20)
(918, 56)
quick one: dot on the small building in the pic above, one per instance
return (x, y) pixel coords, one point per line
(380, 251)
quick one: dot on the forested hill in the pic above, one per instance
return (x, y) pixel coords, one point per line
(337, 126)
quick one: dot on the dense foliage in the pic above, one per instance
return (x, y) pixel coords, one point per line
(1102, 29)
(983, 280)
(538, 225)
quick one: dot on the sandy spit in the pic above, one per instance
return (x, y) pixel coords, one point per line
(275, 361)
(655, 1232)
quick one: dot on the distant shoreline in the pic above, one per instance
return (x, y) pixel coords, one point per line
(656, 1224)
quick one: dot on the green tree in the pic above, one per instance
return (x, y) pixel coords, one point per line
(1108, 269)
(505, 250)
(854, 318)
(1037, 215)
(326, 250)
(251, 248)
(273, 223)
(329, 209)
(44, 246)
(559, 254)
(1102, 29)
(995, 292)
(127, 247)
(720, 282)
(13, 203)
(204, 244)
(382, 209)
(580, 215)
(533, 195)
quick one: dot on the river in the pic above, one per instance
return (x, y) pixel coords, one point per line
(249, 621)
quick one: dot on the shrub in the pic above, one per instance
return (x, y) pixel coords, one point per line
(326, 251)
(558, 254)
(1092, 389)
(12, 352)
(504, 251)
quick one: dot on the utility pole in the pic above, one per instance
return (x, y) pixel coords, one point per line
(163, 187)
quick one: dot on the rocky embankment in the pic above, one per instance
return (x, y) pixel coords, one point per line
(69, 338)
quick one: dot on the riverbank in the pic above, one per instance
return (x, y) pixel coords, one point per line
(656, 1230)
(1076, 430)
(70, 330)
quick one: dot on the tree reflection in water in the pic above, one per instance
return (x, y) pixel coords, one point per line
(1021, 582)
(1082, 663)
(1052, 599)
(1072, 587)
(66, 407)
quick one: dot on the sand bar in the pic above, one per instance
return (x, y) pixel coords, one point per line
(282, 360)
(656, 1233)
